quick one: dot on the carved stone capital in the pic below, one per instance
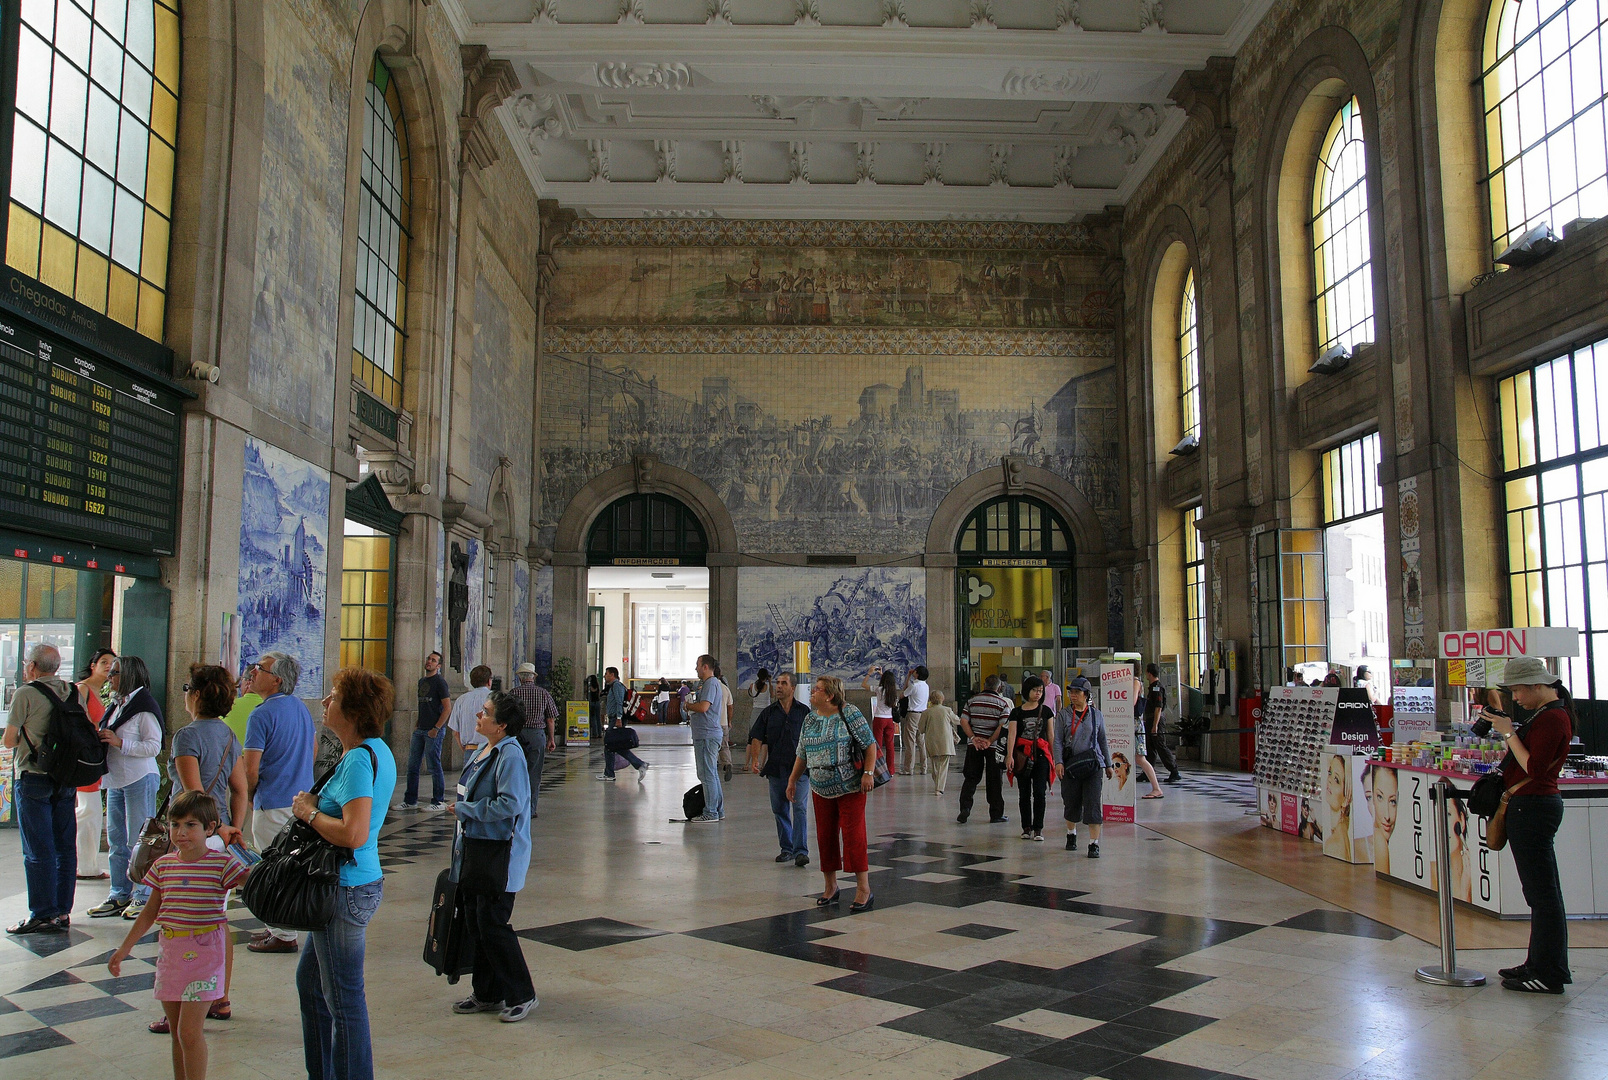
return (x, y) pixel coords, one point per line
(487, 83)
(461, 517)
(1204, 95)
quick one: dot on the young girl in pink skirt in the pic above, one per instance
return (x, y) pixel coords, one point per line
(188, 888)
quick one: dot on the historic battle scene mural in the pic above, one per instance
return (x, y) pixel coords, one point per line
(853, 618)
(284, 559)
(603, 286)
(829, 453)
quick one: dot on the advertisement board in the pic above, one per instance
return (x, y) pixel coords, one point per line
(577, 721)
(1117, 702)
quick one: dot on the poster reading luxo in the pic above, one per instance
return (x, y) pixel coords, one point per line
(1117, 705)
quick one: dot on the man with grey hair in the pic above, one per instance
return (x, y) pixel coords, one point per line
(46, 811)
(280, 743)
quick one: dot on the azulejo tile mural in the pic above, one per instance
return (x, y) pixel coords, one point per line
(829, 453)
(541, 604)
(830, 341)
(284, 559)
(782, 233)
(852, 617)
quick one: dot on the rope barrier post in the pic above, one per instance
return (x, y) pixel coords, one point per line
(1447, 974)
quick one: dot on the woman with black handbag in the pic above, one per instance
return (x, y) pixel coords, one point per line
(347, 811)
(1535, 755)
(490, 856)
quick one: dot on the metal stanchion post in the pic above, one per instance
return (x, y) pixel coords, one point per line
(1447, 974)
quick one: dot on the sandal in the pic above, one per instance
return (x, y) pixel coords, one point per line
(826, 901)
(220, 1010)
(159, 1027)
(1153, 795)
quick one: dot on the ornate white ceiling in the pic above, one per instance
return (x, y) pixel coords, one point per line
(1033, 110)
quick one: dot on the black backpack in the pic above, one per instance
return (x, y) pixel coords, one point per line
(692, 803)
(71, 753)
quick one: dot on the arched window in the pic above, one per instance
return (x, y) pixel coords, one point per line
(1545, 121)
(379, 323)
(92, 153)
(1341, 252)
(1017, 527)
(1189, 360)
(644, 529)
(1194, 598)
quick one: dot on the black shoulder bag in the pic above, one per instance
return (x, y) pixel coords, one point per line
(294, 884)
(483, 864)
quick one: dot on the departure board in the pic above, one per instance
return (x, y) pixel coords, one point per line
(88, 451)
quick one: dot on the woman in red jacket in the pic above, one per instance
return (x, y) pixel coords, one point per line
(1535, 755)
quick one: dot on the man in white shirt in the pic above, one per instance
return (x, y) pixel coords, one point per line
(466, 707)
(913, 759)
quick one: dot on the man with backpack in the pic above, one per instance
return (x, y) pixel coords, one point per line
(52, 736)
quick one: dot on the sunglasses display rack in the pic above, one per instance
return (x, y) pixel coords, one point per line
(1290, 738)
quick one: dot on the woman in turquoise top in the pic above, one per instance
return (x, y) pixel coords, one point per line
(837, 747)
(348, 811)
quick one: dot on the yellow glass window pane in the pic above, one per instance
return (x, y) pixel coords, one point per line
(123, 296)
(377, 589)
(167, 46)
(154, 256)
(22, 242)
(1294, 623)
(92, 269)
(351, 620)
(1522, 492)
(351, 587)
(351, 654)
(165, 114)
(10, 589)
(58, 260)
(357, 553)
(39, 594)
(1312, 577)
(153, 306)
(158, 187)
(376, 621)
(1317, 622)
(1524, 420)
(1516, 542)
(1303, 540)
(1292, 575)
(376, 657)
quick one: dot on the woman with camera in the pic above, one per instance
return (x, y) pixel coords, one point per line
(1535, 755)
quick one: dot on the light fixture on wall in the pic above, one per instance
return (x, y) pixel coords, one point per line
(1332, 359)
(1533, 245)
(1186, 446)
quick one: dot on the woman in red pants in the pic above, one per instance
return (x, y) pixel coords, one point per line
(883, 723)
(836, 746)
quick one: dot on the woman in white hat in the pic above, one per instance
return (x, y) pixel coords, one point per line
(1535, 755)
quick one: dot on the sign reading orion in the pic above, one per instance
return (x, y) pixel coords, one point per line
(1526, 641)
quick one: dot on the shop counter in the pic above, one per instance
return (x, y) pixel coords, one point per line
(1403, 842)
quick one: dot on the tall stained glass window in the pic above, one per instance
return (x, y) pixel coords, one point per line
(1189, 359)
(1546, 127)
(1342, 255)
(92, 150)
(379, 321)
(1555, 486)
(1194, 597)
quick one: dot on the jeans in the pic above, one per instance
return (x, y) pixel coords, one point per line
(329, 982)
(48, 817)
(609, 755)
(792, 819)
(535, 758)
(706, 757)
(501, 973)
(1032, 782)
(425, 745)
(980, 764)
(127, 811)
(1532, 824)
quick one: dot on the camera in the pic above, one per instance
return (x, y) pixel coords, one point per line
(1482, 727)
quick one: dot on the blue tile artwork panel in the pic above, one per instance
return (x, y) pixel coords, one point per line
(284, 559)
(853, 617)
(521, 627)
(472, 636)
(541, 602)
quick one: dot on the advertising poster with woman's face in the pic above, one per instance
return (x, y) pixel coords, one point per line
(1463, 840)
(1117, 706)
(1383, 795)
(1337, 799)
(1412, 839)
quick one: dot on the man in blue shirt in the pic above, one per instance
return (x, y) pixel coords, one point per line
(613, 697)
(777, 729)
(280, 741)
(708, 715)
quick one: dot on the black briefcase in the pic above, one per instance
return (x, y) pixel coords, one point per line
(448, 948)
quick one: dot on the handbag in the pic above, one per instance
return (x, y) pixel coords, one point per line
(294, 886)
(154, 841)
(1496, 828)
(879, 771)
(483, 864)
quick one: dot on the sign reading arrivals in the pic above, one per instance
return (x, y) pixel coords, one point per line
(88, 452)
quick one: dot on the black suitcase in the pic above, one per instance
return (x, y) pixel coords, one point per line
(448, 948)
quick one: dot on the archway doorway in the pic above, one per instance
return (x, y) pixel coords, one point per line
(647, 599)
(1016, 594)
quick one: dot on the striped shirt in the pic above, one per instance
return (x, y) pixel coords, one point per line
(985, 713)
(193, 893)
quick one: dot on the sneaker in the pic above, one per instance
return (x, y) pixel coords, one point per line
(1532, 985)
(801, 859)
(604, 776)
(408, 808)
(1027, 834)
(1094, 849)
(107, 908)
(1175, 778)
(963, 816)
(1039, 837)
(705, 817)
(1521, 972)
(272, 944)
(786, 856)
(725, 773)
(998, 820)
(437, 807)
(472, 1004)
(1071, 841)
(133, 910)
(642, 773)
(515, 1013)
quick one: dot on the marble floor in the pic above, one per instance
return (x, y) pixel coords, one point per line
(662, 950)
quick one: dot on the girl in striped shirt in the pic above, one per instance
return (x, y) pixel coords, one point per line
(188, 888)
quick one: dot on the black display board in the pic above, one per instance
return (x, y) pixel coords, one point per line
(89, 450)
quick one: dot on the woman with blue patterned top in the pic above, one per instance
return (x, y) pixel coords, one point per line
(838, 749)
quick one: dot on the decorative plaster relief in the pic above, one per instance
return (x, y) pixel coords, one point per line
(625, 75)
(1070, 82)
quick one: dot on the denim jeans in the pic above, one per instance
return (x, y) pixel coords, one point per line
(628, 755)
(1532, 824)
(48, 816)
(424, 745)
(535, 758)
(706, 757)
(127, 811)
(792, 819)
(329, 982)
